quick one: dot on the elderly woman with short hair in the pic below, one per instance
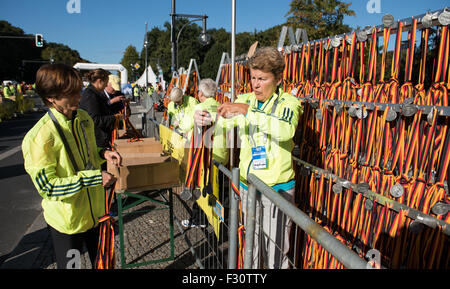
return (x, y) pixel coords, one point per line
(63, 160)
(267, 120)
(180, 107)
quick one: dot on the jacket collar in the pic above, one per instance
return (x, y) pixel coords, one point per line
(267, 105)
(95, 91)
(62, 119)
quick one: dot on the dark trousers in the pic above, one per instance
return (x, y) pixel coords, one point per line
(63, 243)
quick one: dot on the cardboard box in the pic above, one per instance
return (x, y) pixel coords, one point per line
(143, 166)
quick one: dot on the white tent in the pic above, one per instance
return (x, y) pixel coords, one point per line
(152, 78)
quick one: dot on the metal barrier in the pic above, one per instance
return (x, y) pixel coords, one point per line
(346, 256)
(210, 245)
(213, 250)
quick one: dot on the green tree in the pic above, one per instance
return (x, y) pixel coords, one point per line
(20, 58)
(129, 59)
(320, 18)
(13, 51)
(61, 53)
(159, 49)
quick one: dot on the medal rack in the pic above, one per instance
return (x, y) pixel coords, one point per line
(407, 234)
(398, 108)
(426, 20)
(370, 196)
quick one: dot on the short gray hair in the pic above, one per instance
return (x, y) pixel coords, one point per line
(208, 87)
(176, 94)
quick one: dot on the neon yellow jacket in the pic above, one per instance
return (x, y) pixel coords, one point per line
(220, 151)
(210, 105)
(7, 92)
(72, 201)
(180, 113)
(274, 131)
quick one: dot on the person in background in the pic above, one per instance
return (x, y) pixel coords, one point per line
(7, 93)
(204, 114)
(179, 107)
(136, 92)
(73, 195)
(267, 119)
(150, 89)
(95, 102)
(114, 95)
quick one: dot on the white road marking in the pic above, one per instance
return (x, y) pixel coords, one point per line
(10, 152)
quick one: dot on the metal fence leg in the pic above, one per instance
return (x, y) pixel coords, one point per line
(250, 226)
(172, 241)
(121, 246)
(232, 231)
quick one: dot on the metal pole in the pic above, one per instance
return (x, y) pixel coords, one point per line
(146, 58)
(250, 226)
(233, 56)
(233, 225)
(178, 38)
(172, 36)
(346, 256)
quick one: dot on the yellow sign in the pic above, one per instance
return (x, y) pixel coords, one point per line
(175, 145)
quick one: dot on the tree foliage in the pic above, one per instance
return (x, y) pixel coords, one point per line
(20, 58)
(60, 53)
(208, 56)
(320, 18)
(130, 59)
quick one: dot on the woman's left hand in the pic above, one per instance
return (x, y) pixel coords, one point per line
(113, 157)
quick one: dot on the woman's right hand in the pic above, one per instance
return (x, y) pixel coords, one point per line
(119, 116)
(202, 118)
(108, 179)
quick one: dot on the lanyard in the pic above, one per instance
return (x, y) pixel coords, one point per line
(64, 140)
(420, 90)
(406, 89)
(252, 128)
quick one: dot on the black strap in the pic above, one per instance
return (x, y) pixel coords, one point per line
(64, 140)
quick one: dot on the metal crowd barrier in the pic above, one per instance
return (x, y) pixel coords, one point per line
(346, 256)
(220, 252)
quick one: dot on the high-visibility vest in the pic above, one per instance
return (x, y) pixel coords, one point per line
(72, 201)
(6, 92)
(274, 126)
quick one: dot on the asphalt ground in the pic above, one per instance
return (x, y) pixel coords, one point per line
(25, 242)
(20, 204)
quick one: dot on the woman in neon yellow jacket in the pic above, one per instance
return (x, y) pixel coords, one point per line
(73, 194)
(267, 120)
(180, 108)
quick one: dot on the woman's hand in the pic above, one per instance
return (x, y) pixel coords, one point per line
(228, 109)
(113, 157)
(119, 116)
(202, 118)
(107, 179)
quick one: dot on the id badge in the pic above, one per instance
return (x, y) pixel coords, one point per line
(259, 157)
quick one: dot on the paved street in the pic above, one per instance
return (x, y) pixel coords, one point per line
(20, 204)
(25, 242)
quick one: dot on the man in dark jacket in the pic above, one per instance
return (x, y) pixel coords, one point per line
(113, 93)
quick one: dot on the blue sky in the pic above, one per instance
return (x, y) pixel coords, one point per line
(104, 28)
